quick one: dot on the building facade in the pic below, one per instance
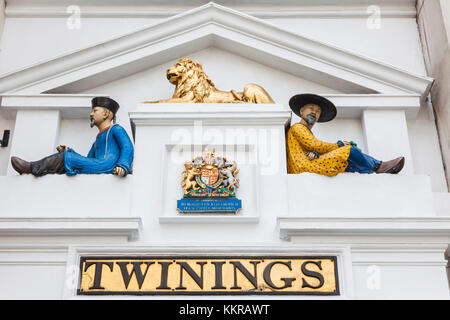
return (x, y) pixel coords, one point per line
(353, 236)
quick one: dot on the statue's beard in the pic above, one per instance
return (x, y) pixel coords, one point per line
(311, 119)
(92, 122)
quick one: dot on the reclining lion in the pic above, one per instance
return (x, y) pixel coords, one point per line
(193, 85)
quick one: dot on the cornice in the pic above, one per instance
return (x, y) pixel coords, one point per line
(214, 25)
(69, 226)
(77, 106)
(366, 227)
(71, 106)
(288, 12)
(210, 114)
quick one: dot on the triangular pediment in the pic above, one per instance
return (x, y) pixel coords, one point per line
(213, 25)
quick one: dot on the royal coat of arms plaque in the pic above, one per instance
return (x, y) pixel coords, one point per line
(209, 185)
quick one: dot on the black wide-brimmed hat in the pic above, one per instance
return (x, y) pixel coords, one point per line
(106, 103)
(328, 108)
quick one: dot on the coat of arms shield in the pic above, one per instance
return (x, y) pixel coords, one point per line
(209, 177)
(209, 184)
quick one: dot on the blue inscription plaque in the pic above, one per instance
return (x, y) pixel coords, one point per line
(209, 205)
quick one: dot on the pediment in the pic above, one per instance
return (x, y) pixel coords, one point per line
(216, 26)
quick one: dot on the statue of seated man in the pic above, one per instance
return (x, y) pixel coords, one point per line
(306, 153)
(112, 151)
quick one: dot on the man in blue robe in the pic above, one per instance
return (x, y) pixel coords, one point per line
(112, 151)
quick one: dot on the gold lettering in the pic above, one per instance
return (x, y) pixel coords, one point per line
(212, 275)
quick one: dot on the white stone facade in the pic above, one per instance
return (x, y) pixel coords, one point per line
(385, 230)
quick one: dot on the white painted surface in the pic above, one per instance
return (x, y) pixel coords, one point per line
(442, 203)
(359, 195)
(342, 32)
(169, 134)
(203, 27)
(36, 134)
(58, 196)
(422, 132)
(70, 227)
(395, 225)
(385, 252)
(387, 138)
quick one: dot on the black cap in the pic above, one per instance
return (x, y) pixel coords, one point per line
(328, 108)
(106, 103)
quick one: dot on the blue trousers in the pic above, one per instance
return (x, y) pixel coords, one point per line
(360, 162)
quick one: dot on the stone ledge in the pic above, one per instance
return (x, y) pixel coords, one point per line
(199, 219)
(412, 226)
(71, 106)
(359, 195)
(39, 226)
(93, 195)
(231, 114)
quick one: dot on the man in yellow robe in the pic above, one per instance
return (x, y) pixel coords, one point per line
(306, 153)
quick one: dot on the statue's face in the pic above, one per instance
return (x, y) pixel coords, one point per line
(98, 115)
(174, 73)
(310, 113)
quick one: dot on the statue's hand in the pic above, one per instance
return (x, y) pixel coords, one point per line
(61, 148)
(119, 171)
(311, 155)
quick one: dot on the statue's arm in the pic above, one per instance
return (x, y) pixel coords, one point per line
(126, 148)
(311, 143)
(91, 153)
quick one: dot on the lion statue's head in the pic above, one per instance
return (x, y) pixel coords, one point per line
(188, 76)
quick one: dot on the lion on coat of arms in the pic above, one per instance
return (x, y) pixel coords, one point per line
(194, 86)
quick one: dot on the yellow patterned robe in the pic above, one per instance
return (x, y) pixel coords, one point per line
(300, 140)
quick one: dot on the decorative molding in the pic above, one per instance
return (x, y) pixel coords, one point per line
(188, 114)
(224, 28)
(38, 254)
(202, 219)
(72, 106)
(78, 106)
(32, 263)
(408, 263)
(366, 227)
(320, 12)
(121, 227)
(353, 105)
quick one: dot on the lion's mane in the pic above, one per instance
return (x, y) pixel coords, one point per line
(193, 79)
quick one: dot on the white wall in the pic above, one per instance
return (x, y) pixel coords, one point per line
(151, 84)
(396, 42)
(4, 124)
(28, 33)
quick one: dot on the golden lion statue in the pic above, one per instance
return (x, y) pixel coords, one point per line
(193, 85)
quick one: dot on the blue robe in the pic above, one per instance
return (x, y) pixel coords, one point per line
(112, 148)
(360, 162)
